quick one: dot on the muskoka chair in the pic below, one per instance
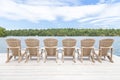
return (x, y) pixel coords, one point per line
(32, 49)
(87, 49)
(51, 48)
(68, 48)
(105, 49)
(14, 47)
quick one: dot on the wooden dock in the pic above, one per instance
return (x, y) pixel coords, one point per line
(59, 71)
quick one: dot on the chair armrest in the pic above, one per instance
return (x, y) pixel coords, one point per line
(12, 47)
(87, 47)
(107, 47)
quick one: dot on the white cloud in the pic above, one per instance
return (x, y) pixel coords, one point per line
(102, 1)
(111, 10)
(45, 2)
(105, 20)
(107, 1)
(71, 13)
(35, 11)
(49, 2)
(109, 16)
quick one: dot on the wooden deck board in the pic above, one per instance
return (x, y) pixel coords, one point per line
(59, 71)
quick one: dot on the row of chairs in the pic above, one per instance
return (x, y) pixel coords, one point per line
(69, 49)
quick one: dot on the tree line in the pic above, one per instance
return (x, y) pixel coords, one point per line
(60, 32)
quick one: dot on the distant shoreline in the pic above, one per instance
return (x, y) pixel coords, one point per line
(64, 32)
(60, 32)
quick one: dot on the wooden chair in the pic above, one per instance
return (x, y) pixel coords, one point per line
(68, 48)
(51, 48)
(32, 49)
(14, 46)
(105, 49)
(87, 49)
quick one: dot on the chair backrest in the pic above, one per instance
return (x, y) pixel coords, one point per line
(104, 46)
(14, 45)
(87, 46)
(32, 42)
(50, 46)
(32, 46)
(12, 42)
(68, 46)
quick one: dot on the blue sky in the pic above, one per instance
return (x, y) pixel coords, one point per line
(43, 14)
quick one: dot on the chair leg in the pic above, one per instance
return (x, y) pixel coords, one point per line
(20, 59)
(81, 59)
(99, 59)
(45, 61)
(110, 59)
(104, 57)
(92, 59)
(56, 61)
(45, 58)
(9, 58)
(14, 57)
(57, 58)
(27, 57)
(62, 58)
(24, 55)
(38, 58)
(74, 59)
(30, 57)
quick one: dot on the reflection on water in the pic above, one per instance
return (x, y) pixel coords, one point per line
(116, 44)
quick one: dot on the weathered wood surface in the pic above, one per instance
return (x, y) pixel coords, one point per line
(59, 71)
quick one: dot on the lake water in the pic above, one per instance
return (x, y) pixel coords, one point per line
(116, 44)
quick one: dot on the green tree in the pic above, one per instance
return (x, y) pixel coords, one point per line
(62, 32)
(2, 32)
